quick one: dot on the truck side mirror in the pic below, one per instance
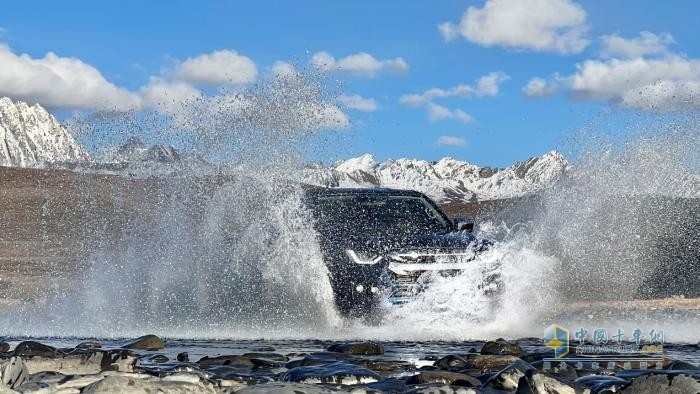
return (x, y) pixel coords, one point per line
(464, 224)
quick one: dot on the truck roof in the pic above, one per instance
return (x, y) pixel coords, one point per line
(328, 191)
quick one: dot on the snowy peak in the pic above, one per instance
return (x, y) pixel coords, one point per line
(32, 137)
(135, 150)
(447, 179)
(364, 163)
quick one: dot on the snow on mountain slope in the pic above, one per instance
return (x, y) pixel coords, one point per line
(445, 180)
(31, 137)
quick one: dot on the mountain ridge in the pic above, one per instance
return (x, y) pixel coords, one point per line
(32, 137)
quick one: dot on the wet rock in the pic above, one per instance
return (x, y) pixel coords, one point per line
(536, 382)
(501, 346)
(146, 342)
(158, 358)
(31, 349)
(4, 347)
(183, 357)
(681, 365)
(120, 384)
(118, 360)
(285, 388)
(368, 348)
(268, 356)
(385, 386)
(335, 373)
(81, 363)
(206, 362)
(485, 362)
(653, 384)
(561, 370)
(230, 386)
(265, 363)
(598, 383)
(635, 373)
(14, 372)
(444, 377)
(77, 382)
(508, 378)
(321, 358)
(384, 366)
(535, 357)
(46, 377)
(89, 345)
(442, 389)
(451, 362)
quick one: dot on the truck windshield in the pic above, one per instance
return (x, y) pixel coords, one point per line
(385, 214)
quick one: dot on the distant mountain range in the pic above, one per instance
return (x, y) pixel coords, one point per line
(32, 137)
(446, 180)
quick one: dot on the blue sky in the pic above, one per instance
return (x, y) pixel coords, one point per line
(591, 58)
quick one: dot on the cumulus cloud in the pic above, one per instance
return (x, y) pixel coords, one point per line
(438, 112)
(487, 85)
(216, 68)
(69, 83)
(168, 96)
(663, 84)
(361, 64)
(646, 44)
(60, 82)
(358, 103)
(538, 87)
(450, 140)
(282, 69)
(539, 25)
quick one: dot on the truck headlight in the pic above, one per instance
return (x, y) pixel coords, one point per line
(363, 259)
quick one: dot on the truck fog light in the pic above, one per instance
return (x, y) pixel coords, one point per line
(360, 288)
(374, 289)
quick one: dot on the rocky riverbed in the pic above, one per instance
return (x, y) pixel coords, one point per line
(150, 364)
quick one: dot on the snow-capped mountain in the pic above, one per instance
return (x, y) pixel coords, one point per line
(32, 137)
(445, 180)
(134, 150)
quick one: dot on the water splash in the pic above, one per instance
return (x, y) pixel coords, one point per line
(621, 226)
(224, 253)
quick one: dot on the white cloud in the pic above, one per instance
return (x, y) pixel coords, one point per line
(538, 87)
(282, 69)
(487, 85)
(362, 64)
(646, 44)
(664, 84)
(60, 82)
(438, 112)
(217, 68)
(449, 140)
(168, 96)
(69, 83)
(539, 25)
(358, 103)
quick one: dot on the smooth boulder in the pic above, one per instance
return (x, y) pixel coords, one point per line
(335, 373)
(146, 342)
(368, 348)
